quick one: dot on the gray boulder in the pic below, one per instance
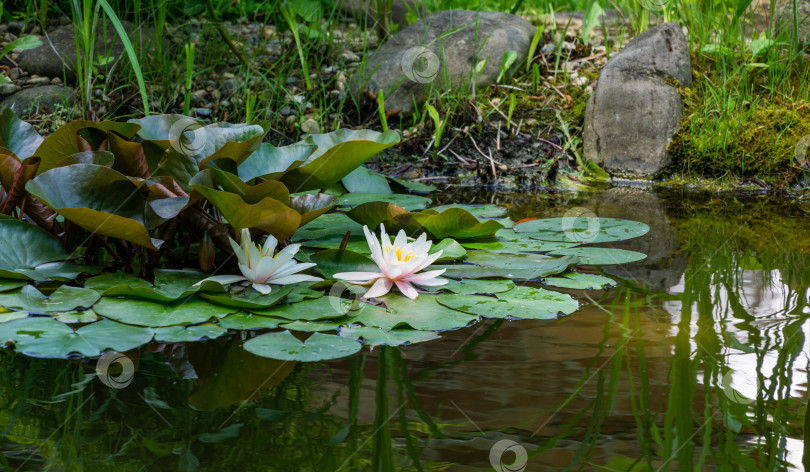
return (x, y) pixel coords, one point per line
(31, 100)
(634, 112)
(57, 55)
(442, 51)
(783, 18)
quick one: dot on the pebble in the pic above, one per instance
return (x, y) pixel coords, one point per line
(230, 85)
(202, 112)
(15, 73)
(8, 89)
(349, 56)
(285, 111)
(227, 75)
(292, 79)
(98, 93)
(56, 81)
(310, 126)
(38, 81)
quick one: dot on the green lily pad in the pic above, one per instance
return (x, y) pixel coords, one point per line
(478, 286)
(479, 211)
(372, 214)
(242, 320)
(249, 298)
(308, 310)
(601, 255)
(180, 334)
(26, 246)
(508, 261)
(394, 337)
(363, 180)
(6, 285)
(149, 313)
(62, 271)
(286, 347)
(272, 162)
(451, 250)
(518, 303)
(332, 261)
(406, 201)
(423, 314)
(506, 241)
(451, 223)
(12, 315)
(170, 285)
(328, 225)
(76, 317)
(583, 229)
(302, 292)
(311, 326)
(578, 281)
(540, 268)
(65, 298)
(357, 244)
(46, 337)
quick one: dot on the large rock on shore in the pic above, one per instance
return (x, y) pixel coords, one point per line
(442, 51)
(634, 112)
(32, 100)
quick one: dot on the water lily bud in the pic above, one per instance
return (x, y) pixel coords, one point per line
(206, 253)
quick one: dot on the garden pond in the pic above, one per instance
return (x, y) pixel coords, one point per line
(694, 358)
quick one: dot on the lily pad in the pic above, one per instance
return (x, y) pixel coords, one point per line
(479, 211)
(62, 271)
(507, 241)
(328, 225)
(423, 314)
(46, 337)
(65, 298)
(601, 255)
(249, 298)
(539, 269)
(478, 286)
(269, 214)
(318, 347)
(302, 292)
(6, 316)
(170, 285)
(365, 181)
(148, 313)
(180, 334)
(394, 337)
(333, 261)
(76, 317)
(579, 281)
(18, 136)
(518, 303)
(451, 223)
(311, 326)
(242, 320)
(6, 285)
(357, 244)
(307, 310)
(25, 246)
(583, 229)
(372, 214)
(406, 201)
(451, 250)
(508, 261)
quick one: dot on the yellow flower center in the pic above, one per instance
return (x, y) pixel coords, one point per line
(398, 251)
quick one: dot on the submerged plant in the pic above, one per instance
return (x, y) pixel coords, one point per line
(260, 267)
(399, 263)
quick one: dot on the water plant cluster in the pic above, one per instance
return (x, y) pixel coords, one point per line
(102, 222)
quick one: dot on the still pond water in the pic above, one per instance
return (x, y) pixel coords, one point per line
(697, 360)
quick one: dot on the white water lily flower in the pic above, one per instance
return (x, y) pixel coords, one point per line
(260, 267)
(399, 264)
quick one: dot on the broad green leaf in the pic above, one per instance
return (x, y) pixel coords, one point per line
(97, 198)
(323, 308)
(601, 255)
(406, 201)
(362, 180)
(518, 303)
(6, 285)
(250, 193)
(18, 136)
(62, 271)
(6, 316)
(451, 223)
(312, 206)
(269, 215)
(507, 241)
(394, 337)
(76, 317)
(508, 261)
(148, 313)
(271, 162)
(170, 285)
(311, 326)
(357, 244)
(423, 314)
(65, 298)
(25, 246)
(337, 155)
(579, 281)
(328, 225)
(46, 337)
(479, 211)
(63, 142)
(101, 158)
(248, 298)
(242, 320)
(451, 250)
(371, 214)
(478, 286)
(318, 347)
(302, 292)
(333, 261)
(180, 334)
(583, 229)
(541, 269)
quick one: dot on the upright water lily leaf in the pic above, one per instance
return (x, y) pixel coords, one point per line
(423, 314)
(272, 162)
(64, 141)
(97, 198)
(362, 180)
(394, 337)
(601, 255)
(286, 347)
(18, 136)
(130, 156)
(451, 223)
(269, 215)
(333, 261)
(518, 303)
(406, 201)
(337, 155)
(101, 158)
(148, 313)
(161, 127)
(46, 337)
(312, 206)
(250, 193)
(371, 214)
(328, 225)
(25, 246)
(479, 211)
(65, 298)
(583, 229)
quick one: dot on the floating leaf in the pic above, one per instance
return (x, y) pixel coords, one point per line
(540, 268)
(394, 337)
(311, 326)
(357, 244)
(170, 285)
(451, 223)
(406, 201)
(579, 281)
(478, 286)
(309, 310)
(333, 261)
(46, 337)
(11, 315)
(65, 298)
(520, 302)
(328, 225)
(506, 241)
(583, 229)
(318, 347)
(451, 250)
(148, 313)
(362, 180)
(25, 246)
(180, 334)
(76, 317)
(479, 211)
(301, 291)
(242, 320)
(6, 285)
(601, 255)
(508, 261)
(248, 298)
(424, 314)
(63, 271)
(371, 214)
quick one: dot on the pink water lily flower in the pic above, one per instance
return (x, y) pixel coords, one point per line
(260, 267)
(399, 264)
